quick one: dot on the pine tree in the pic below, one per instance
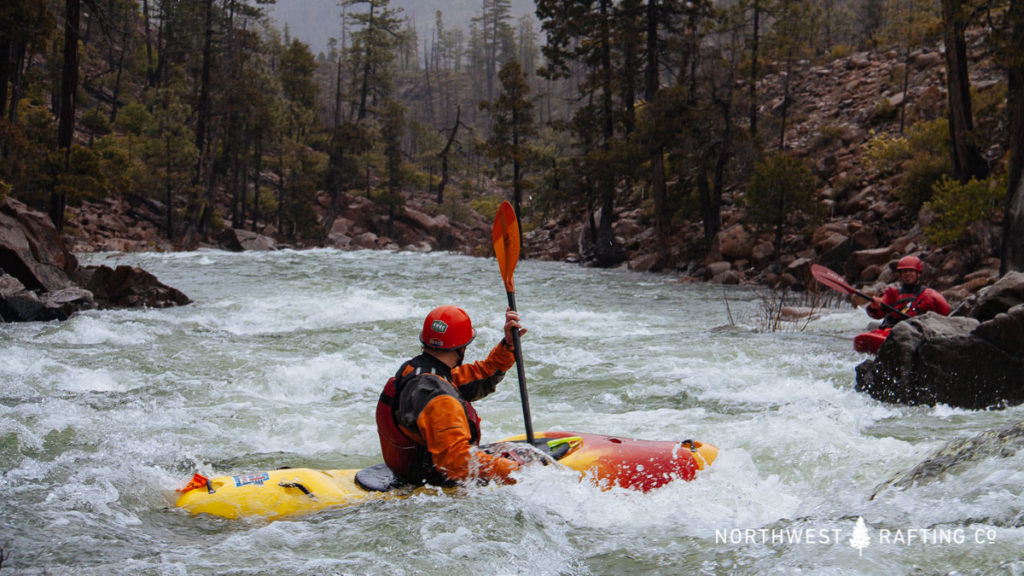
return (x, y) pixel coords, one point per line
(781, 195)
(374, 42)
(967, 160)
(860, 539)
(513, 126)
(393, 130)
(580, 31)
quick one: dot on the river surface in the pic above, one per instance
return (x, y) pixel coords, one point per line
(281, 357)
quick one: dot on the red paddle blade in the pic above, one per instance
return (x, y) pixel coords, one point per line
(831, 279)
(506, 243)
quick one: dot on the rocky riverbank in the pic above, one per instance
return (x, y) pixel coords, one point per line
(40, 279)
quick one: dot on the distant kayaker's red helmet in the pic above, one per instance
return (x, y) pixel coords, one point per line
(447, 328)
(910, 263)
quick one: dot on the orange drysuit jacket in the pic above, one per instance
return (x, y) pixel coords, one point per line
(434, 411)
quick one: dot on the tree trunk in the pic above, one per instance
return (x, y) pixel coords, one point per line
(1013, 218)
(606, 252)
(967, 160)
(5, 67)
(651, 84)
(428, 102)
(201, 208)
(237, 193)
(168, 189)
(162, 32)
(125, 40)
(338, 69)
(257, 168)
(203, 105)
(335, 170)
(784, 111)
(150, 71)
(444, 156)
(367, 70)
(517, 173)
(68, 88)
(754, 41)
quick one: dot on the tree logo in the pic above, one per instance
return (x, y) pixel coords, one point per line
(861, 539)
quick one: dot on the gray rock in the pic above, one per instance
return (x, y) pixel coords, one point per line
(40, 280)
(973, 362)
(1004, 294)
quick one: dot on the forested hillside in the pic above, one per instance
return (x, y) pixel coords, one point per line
(672, 135)
(316, 21)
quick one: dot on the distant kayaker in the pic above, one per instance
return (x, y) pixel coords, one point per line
(428, 429)
(910, 297)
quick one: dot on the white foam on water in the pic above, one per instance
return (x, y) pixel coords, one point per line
(281, 357)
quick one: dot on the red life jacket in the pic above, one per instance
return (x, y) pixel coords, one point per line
(408, 459)
(905, 302)
(399, 450)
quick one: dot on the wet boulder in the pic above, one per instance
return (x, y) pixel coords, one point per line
(128, 287)
(40, 280)
(1004, 294)
(957, 456)
(238, 240)
(973, 359)
(32, 250)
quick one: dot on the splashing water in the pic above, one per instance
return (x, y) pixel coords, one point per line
(279, 363)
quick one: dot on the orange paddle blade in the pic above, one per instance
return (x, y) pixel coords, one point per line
(506, 243)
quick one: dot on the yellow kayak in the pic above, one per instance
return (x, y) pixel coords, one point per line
(608, 461)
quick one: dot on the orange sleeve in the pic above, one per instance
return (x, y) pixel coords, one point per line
(446, 432)
(499, 360)
(480, 378)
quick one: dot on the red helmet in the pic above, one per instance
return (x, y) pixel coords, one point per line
(447, 328)
(910, 263)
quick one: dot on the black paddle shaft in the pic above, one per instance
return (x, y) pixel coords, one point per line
(517, 347)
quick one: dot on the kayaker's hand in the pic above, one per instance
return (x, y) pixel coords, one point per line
(876, 302)
(512, 323)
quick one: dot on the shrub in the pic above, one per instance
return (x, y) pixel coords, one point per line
(95, 122)
(781, 194)
(957, 206)
(922, 156)
(886, 154)
(829, 134)
(885, 112)
(923, 172)
(487, 206)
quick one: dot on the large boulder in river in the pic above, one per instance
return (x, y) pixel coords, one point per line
(41, 280)
(239, 240)
(32, 250)
(973, 359)
(128, 287)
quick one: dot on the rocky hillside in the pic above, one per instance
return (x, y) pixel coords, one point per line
(835, 111)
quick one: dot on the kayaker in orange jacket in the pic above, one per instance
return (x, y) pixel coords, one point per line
(428, 429)
(910, 297)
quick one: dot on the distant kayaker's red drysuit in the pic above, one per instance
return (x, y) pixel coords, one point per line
(427, 426)
(911, 300)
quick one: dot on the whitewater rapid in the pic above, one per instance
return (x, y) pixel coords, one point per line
(281, 357)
